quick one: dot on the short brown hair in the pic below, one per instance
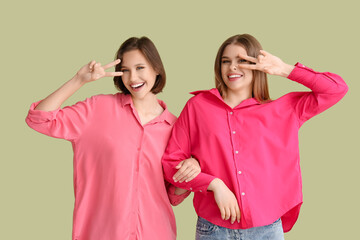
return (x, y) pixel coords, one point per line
(148, 49)
(260, 90)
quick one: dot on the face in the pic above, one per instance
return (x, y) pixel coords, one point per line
(138, 74)
(236, 79)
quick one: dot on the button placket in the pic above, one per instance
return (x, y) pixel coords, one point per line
(236, 144)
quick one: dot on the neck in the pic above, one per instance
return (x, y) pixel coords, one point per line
(234, 98)
(146, 105)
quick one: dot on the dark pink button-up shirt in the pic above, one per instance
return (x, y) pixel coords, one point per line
(253, 148)
(118, 178)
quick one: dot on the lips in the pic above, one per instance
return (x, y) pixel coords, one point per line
(137, 85)
(233, 76)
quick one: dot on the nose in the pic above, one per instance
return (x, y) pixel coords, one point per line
(233, 66)
(132, 76)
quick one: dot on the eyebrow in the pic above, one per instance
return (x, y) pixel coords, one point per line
(229, 57)
(139, 64)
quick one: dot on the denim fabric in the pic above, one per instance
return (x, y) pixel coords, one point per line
(205, 230)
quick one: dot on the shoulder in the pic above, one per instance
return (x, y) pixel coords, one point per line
(106, 97)
(201, 95)
(171, 118)
(289, 98)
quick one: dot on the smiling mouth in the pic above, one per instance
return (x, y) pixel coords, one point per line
(234, 76)
(136, 86)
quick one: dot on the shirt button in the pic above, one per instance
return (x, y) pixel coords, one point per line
(243, 193)
(234, 132)
(190, 189)
(236, 152)
(239, 172)
(231, 113)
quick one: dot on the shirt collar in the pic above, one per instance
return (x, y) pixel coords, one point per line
(216, 93)
(166, 116)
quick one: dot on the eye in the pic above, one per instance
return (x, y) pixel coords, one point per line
(124, 70)
(139, 67)
(225, 61)
(243, 61)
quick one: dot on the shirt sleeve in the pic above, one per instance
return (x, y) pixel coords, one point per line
(66, 123)
(174, 198)
(179, 149)
(327, 89)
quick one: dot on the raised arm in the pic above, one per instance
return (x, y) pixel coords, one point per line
(88, 73)
(69, 122)
(326, 88)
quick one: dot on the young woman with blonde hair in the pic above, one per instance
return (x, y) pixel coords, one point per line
(247, 144)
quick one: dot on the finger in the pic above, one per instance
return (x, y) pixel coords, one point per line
(185, 174)
(222, 212)
(227, 213)
(192, 176)
(248, 66)
(248, 58)
(97, 65)
(113, 74)
(180, 165)
(109, 65)
(260, 58)
(238, 214)
(177, 175)
(233, 215)
(91, 65)
(263, 52)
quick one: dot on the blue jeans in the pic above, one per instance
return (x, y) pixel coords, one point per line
(205, 230)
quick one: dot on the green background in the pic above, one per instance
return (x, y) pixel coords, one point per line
(43, 43)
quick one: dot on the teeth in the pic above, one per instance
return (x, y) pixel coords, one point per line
(235, 76)
(137, 85)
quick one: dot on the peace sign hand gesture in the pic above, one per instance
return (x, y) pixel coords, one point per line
(94, 71)
(267, 63)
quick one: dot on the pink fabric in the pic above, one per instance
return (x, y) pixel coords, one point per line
(253, 148)
(118, 180)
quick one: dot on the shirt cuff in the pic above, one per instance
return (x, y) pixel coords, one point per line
(301, 74)
(199, 184)
(174, 198)
(39, 116)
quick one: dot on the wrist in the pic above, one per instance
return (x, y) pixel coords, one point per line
(286, 70)
(180, 191)
(214, 184)
(77, 80)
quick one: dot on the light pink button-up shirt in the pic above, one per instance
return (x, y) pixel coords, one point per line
(118, 180)
(253, 148)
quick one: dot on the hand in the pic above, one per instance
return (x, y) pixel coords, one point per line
(188, 170)
(226, 200)
(267, 63)
(93, 71)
